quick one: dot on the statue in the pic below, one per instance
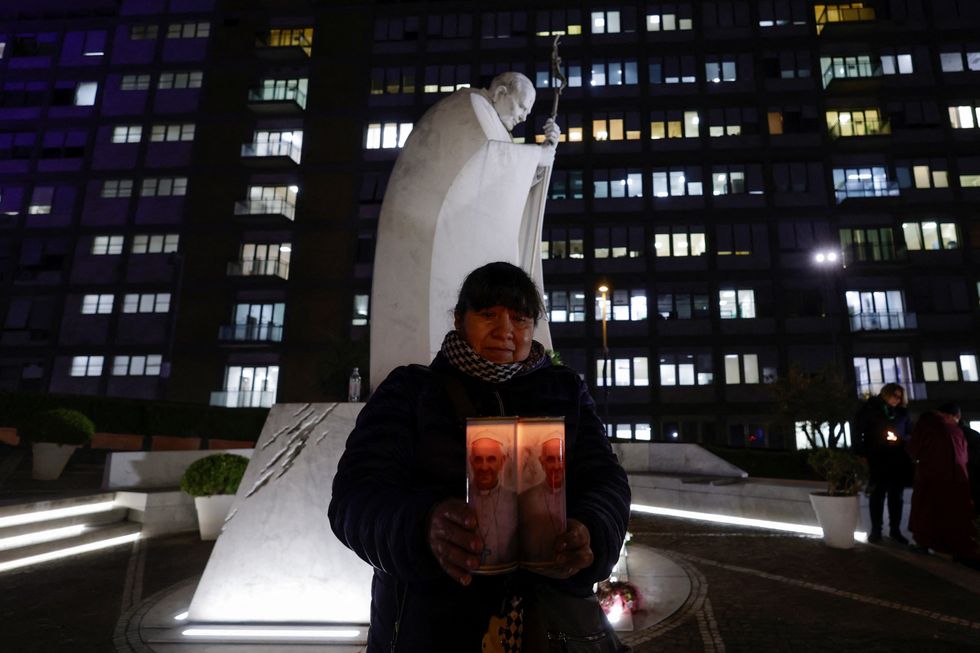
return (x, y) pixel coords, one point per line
(461, 194)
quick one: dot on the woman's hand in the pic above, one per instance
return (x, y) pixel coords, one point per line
(574, 552)
(452, 536)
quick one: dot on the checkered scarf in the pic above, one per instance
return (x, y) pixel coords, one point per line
(465, 358)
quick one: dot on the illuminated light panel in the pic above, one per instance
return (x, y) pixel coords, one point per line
(40, 536)
(802, 529)
(57, 513)
(272, 633)
(70, 551)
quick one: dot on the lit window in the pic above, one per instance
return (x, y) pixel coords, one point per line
(736, 304)
(623, 371)
(301, 37)
(182, 132)
(86, 365)
(605, 22)
(617, 183)
(127, 134)
(677, 182)
(964, 116)
(872, 373)
(720, 70)
(85, 93)
(117, 188)
(565, 306)
(180, 80)
(155, 243)
(137, 365)
(960, 368)
(741, 369)
(669, 22)
(683, 306)
(623, 305)
(163, 187)
(134, 83)
(97, 304)
(189, 30)
(616, 126)
(930, 235)
(861, 122)
(843, 12)
(613, 73)
(388, 135)
(863, 182)
(674, 124)
(361, 304)
(146, 303)
(896, 64)
(107, 245)
(679, 242)
(143, 32)
(686, 369)
(558, 243)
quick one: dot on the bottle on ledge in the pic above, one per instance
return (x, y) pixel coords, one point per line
(354, 386)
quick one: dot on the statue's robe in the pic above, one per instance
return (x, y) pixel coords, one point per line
(461, 194)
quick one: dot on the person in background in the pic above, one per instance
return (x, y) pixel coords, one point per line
(880, 433)
(942, 510)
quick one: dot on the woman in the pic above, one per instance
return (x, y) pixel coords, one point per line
(398, 493)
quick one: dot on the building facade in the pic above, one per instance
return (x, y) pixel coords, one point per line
(190, 193)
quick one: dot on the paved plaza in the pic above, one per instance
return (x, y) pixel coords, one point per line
(744, 589)
(750, 590)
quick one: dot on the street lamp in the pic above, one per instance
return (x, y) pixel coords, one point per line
(603, 290)
(828, 260)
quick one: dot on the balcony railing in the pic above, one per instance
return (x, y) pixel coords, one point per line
(865, 72)
(259, 268)
(866, 128)
(280, 149)
(915, 391)
(267, 332)
(274, 95)
(266, 207)
(243, 399)
(876, 189)
(883, 321)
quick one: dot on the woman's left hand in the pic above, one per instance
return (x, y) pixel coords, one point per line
(574, 552)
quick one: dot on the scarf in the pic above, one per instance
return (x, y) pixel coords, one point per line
(464, 358)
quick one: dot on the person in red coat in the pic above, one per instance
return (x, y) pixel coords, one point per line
(942, 510)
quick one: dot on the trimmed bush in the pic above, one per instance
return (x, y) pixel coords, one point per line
(57, 426)
(844, 472)
(220, 473)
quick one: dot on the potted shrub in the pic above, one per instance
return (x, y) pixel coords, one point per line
(54, 435)
(213, 482)
(838, 508)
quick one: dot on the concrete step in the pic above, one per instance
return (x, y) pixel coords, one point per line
(90, 539)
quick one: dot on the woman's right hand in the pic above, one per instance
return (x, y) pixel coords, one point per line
(453, 539)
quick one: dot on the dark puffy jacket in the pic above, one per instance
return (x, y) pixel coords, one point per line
(407, 453)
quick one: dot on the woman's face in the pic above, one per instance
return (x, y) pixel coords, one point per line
(498, 333)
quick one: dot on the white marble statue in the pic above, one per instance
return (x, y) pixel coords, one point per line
(461, 194)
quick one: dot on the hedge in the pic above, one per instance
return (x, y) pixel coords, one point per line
(767, 463)
(140, 417)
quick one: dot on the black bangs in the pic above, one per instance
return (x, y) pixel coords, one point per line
(499, 284)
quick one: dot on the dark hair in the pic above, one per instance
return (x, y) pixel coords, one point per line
(499, 284)
(949, 408)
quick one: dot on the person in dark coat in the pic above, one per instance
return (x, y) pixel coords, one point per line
(880, 434)
(942, 510)
(398, 495)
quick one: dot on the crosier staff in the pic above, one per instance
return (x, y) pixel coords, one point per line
(557, 72)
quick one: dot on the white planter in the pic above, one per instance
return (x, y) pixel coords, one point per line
(838, 517)
(49, 459)
(211, 514)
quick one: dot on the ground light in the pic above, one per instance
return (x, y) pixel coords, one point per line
(38, 537)
(57, 513)
(70, 551)
(267, 633)
(802, 529)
